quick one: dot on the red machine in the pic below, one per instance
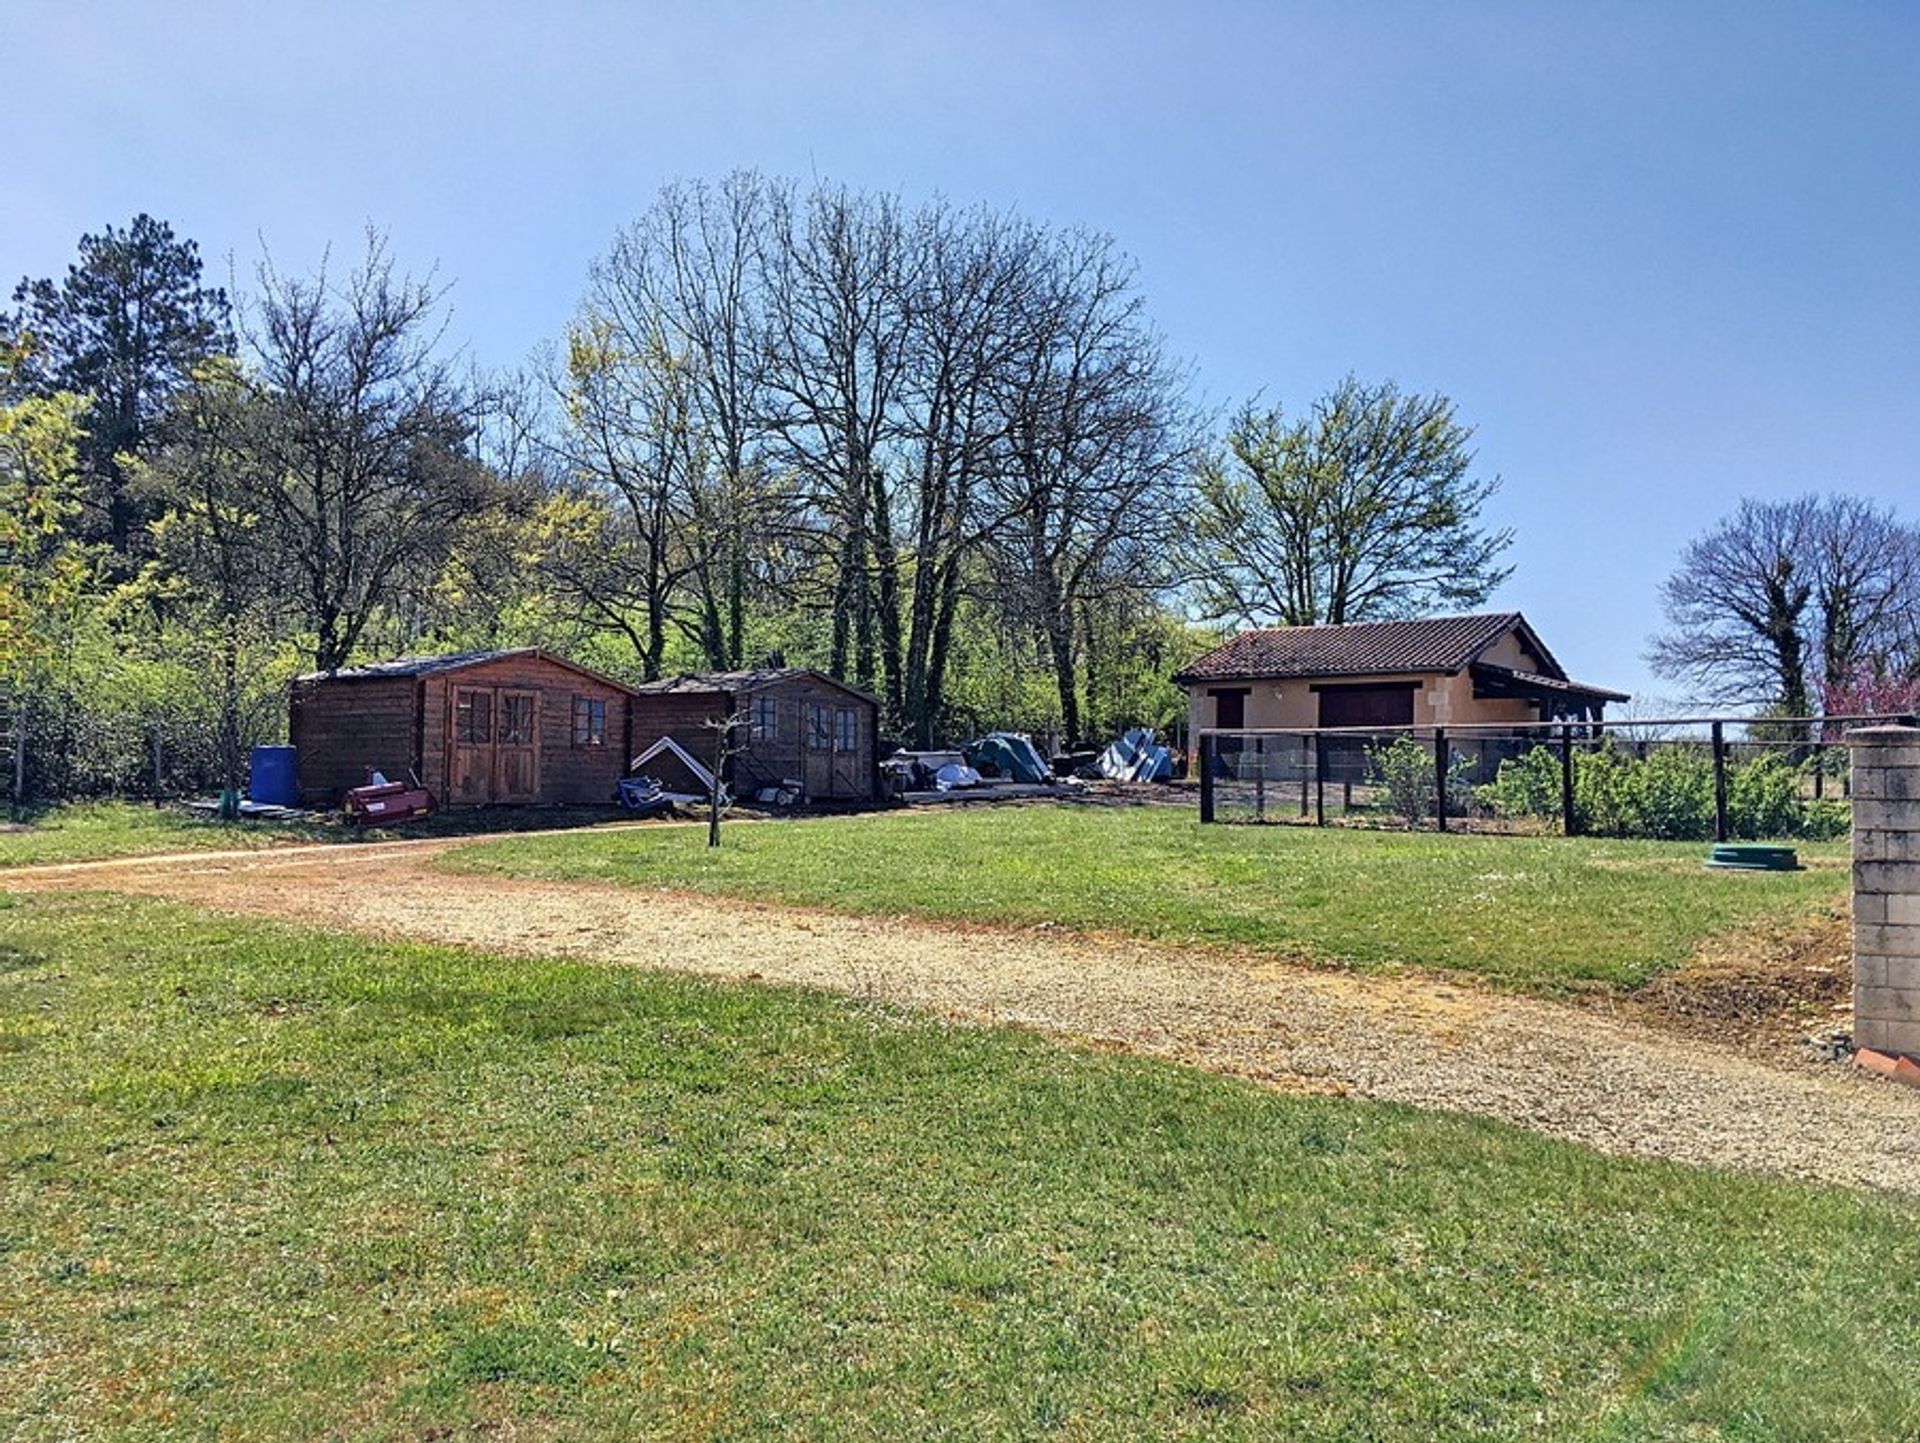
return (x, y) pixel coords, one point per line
(386, 802)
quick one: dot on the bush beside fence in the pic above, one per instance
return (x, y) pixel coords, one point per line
(1668, 794)
(1692, 779)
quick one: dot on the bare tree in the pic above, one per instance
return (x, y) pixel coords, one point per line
(619, 533)
(880, 404)
(975, 284)
(1784, 595)
(360, 442)
(837, 268)
(688, 275)
(1099, 448)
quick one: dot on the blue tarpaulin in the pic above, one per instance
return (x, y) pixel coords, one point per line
(1010, 755)
(1136, 757)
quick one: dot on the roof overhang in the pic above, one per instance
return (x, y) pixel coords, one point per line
(1504, 681)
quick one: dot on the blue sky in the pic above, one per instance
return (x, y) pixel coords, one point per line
(1661, 255)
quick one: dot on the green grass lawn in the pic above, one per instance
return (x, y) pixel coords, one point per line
(259, 1182)
(1545, 914)
(98, 831)
(95, 831)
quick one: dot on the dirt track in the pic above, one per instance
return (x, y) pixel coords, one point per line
(1559, 1070)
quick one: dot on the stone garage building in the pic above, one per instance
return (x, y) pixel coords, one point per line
(1440, 671)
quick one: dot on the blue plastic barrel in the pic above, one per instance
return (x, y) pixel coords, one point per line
(272, 780)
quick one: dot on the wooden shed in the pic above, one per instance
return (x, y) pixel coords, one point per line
(795, 725)
(478, 727)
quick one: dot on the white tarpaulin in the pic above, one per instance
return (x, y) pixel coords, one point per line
(701, 773)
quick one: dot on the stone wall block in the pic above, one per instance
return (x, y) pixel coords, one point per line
(1886, 784)
(1886, 889)
(1870, 875)
(1885, 846)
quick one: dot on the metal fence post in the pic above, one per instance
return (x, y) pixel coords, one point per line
(1720, 828)
(1206, 778)
(1440, 777)
(1569, 822)
(1319, 780)
(1259, 779)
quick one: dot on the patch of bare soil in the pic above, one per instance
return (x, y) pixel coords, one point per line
(1610, 1081)
(1768, 989)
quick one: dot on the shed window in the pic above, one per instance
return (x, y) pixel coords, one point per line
(516, 721)
(589, 721)
(473, 717)
(766, 717)
(846, 729)
(819, 727)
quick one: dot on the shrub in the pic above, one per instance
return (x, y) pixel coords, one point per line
(1405, 769)
(1525, 786)
(1763, 799)
(1824, 821)
(1667, 794)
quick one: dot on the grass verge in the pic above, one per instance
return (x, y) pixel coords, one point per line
(262, 1182)
(98, 831)
(1542, 914)
(101, 831)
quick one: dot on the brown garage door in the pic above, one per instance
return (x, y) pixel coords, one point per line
(1386, 705)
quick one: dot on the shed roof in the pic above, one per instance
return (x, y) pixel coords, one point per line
(417, 666)
(715, 683)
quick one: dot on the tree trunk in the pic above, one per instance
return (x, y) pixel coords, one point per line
(1092, 664)
(1060, 646)
(886, 566)
(230, 714)
(713, 796)
(938, 650)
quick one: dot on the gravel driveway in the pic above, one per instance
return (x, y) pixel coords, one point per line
(1559, 1070)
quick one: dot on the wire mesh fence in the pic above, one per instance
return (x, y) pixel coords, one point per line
(1699, 778)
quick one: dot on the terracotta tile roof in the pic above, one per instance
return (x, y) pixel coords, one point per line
(1365, 648)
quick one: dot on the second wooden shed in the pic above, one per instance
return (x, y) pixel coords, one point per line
(795, 725)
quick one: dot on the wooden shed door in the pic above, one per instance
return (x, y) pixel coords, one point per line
(494, 753)
(470, 749)
(816, 741)
(516, 748)
(846, 751)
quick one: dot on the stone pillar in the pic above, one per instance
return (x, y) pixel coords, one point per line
(1886, 889)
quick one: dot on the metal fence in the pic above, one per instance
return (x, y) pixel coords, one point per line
(1684, 777)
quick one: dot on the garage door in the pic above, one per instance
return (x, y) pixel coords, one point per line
(1389, 705)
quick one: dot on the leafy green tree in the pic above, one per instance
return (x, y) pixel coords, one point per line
(125, 327)
(216, 569)
(1365, 509)
(46, 574)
